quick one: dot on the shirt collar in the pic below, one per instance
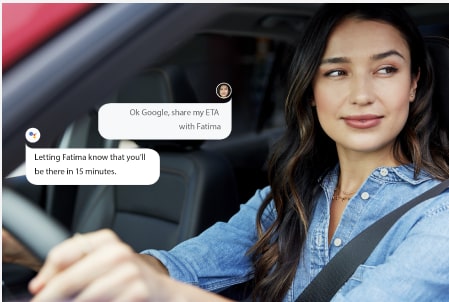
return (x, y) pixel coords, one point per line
(403, 173)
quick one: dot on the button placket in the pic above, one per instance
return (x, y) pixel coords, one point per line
(337, 242)
(365, 195)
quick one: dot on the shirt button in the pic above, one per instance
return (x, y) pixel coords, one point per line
(383, 172)
(337, 242)
(365, 195)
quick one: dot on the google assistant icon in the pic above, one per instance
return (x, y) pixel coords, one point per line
(32, 135)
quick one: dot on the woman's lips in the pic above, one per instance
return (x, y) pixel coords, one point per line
(362, 121)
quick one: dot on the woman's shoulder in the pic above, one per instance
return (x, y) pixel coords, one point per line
(257, 200)
(433, 207)
(438, 205)
(259, 196)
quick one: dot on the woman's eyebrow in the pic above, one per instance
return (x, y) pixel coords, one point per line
(386, 54)
(375, 57)
(335, 60)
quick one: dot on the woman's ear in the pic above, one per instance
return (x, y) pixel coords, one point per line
(414, 86)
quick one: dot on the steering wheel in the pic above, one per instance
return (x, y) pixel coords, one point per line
(30, 225)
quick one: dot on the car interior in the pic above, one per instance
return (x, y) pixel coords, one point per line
(202, 182)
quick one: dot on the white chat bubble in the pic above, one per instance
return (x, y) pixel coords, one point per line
(140, 121)
(92, 166)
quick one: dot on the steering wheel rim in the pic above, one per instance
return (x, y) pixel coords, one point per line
(30, 225)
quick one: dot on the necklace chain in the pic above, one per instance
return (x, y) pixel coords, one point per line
(346, 195)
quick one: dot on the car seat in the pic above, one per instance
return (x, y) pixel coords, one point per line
(196, 188)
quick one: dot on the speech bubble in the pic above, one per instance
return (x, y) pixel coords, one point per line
(165, 121)
(92, 166)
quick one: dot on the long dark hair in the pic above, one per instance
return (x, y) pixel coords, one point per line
(305, 153)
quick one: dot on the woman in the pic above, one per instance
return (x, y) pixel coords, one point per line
(361, 140)
(223, 90)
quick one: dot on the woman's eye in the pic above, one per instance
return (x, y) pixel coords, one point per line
(387, 70)
(335, 73)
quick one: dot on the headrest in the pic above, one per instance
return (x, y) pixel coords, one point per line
(438, 48)
(167, 84)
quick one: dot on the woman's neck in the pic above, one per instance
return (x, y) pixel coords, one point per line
(356, 167)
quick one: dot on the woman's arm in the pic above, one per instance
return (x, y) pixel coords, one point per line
(99, 267)
(217, 258)
(14, 252)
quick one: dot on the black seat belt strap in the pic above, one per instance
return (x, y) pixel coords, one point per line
(343, 265)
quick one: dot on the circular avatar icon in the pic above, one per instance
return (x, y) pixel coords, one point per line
(32, 135)
(223, 90)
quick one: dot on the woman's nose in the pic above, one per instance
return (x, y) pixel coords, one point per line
(362, 90)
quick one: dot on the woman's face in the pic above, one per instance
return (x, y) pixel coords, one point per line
(363, 87)
(224, 91)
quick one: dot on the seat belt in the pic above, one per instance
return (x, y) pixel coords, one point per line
(343, 265)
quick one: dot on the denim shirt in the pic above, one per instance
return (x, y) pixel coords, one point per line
(411, 263)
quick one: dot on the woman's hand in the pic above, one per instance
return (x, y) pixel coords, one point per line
(14, 252)
(99, 267)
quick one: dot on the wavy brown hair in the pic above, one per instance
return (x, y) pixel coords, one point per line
(305, 153)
